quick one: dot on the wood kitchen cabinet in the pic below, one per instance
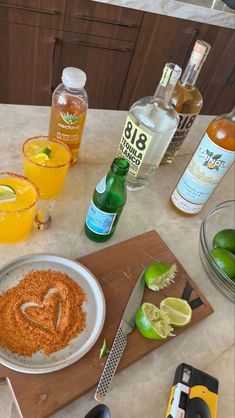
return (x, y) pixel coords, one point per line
(167, 39)
(105, 61)
(122, 51)
(27, 69)
(98, 38)
(48, 14)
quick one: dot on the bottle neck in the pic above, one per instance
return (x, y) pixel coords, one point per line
(190, 74)
(164, 93)
(199, 54)
(166, 86)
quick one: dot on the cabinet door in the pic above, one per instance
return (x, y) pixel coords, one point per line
(167, 39)
(217, 79)
(28, 64)
(105, 61)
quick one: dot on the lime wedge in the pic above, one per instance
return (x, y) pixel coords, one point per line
(104, 350)
(178, 311)
(43, 156)
(160, 275)
(47, 151)
(153, 322)
(7, 194)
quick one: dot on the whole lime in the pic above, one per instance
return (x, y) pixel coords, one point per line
(225, 260)
(225, 239)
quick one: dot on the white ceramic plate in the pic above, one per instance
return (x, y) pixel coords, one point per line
(94, 307)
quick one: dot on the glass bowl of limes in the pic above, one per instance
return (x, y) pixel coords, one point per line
(217, 247)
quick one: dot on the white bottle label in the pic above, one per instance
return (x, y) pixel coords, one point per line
(98, 221)
(134, 145)
(205, 170)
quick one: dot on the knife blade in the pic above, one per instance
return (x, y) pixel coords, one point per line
(126, 326)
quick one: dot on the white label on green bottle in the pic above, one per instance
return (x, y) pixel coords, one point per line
(98, 221)
(134, 145)
(204, 172)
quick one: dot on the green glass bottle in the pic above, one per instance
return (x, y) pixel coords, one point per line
(107, 203)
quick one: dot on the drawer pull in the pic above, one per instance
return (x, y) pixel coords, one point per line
(110, 22)
(191, 43)
(78, 43)
(29, 9)
(50, 86)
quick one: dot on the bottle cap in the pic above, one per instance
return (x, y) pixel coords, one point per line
(73, 78)
(120, 166)
(171, 73)
(200, 51)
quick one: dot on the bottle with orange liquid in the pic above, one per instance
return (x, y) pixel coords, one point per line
(210, 162)
(69, 109)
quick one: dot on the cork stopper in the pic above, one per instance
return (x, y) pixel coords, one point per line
(200, 51)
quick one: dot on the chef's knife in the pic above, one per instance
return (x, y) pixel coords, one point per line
(126, 327)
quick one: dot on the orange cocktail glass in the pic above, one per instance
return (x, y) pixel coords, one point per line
(16, 217)
(46, 161)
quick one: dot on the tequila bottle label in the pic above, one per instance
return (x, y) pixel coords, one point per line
(99, 221)
(185, 123)
(204, 172)
(134, 145)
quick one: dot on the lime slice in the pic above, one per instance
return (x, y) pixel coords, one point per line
(225, 260)
(43, 156)
(7, 194)
(160, 275)
(178, 311)
(153, 322)
(225, 239)
(104, 350)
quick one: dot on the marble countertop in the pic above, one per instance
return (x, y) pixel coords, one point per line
(186, 9)
(209, 345)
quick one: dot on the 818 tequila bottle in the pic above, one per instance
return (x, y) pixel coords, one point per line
(149, 127)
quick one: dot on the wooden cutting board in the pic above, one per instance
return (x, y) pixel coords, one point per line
(117, 268)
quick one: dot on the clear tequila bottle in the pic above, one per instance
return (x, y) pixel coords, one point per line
(149, 127)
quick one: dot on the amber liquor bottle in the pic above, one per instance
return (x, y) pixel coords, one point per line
(187, 99)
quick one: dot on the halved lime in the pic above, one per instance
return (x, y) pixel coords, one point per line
(43, 156)
(153, 322)
(104, 350)
(225, 260)
(178, 311)
(225, 239)
(160, 275)
(7, 194)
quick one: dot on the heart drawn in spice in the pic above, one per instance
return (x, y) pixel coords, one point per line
(46, 315)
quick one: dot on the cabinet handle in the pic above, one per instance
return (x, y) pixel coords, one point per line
(78, 43)
(29, 9)
(110, 22)
(50, 86)
(191, 43)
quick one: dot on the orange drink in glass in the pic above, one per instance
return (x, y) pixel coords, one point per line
(18, 198)
(46, 162)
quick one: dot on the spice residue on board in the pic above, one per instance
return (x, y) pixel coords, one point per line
(42, 312)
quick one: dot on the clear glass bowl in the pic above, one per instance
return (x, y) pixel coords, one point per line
(220, 217)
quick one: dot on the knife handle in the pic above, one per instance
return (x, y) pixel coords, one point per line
(111, 365)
